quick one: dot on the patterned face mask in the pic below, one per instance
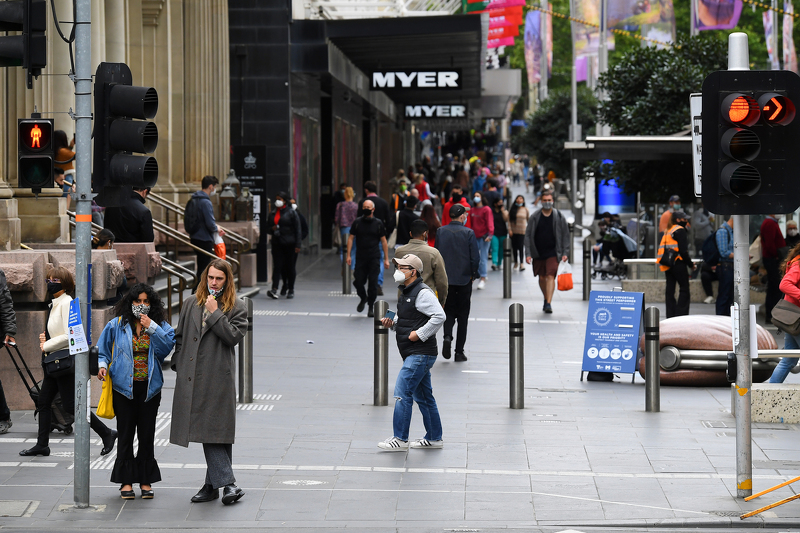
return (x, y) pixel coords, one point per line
(139, 310)
(217, 292)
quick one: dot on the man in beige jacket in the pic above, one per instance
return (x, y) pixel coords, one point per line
(433, 272)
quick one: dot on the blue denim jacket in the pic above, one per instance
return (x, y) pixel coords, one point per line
(119, 336)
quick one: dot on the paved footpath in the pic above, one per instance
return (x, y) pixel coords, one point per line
(581, 456)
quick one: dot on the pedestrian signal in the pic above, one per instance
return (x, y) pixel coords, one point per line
(35, 153)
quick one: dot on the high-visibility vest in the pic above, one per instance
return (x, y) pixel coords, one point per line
(668, 241)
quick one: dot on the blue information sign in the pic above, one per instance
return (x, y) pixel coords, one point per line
(612, 332)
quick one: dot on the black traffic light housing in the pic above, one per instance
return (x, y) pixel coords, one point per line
(28, 50)
(35, 153)
(750, 154)
(117, 136)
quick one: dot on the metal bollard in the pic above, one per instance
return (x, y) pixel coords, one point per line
(652, 384)
(380, 391)
(246, 358)
(516, 356)
(572, 229)
(507, 268)
(587, 269)
(347, 279)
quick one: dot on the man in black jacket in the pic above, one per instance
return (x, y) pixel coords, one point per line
(419, 317)
(284, 227)
(370, 235)
(8, 328)
(459, 249)
(132, 221)
(382, 213)
(404, 219)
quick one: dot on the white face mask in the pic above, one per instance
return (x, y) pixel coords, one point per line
(477, 199)
(399, 277)
(791, 232)
(278, 203)
(294, 206)
(213, 192)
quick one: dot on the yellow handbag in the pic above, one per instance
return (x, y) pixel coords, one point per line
(105, 407)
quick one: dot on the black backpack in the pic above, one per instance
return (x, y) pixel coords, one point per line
(191, 216)
(710, 251)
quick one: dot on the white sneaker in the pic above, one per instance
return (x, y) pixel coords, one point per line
(425, 444)
(393, 444)
(481, 285)
(709, 300)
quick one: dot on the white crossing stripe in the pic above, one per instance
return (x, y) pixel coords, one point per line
(273, 397)
(265, 312)
(253, 407)
(339, 293)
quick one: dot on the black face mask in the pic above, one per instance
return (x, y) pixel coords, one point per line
(457, 198)
(54, 286)
(682, 223)
(367, 212)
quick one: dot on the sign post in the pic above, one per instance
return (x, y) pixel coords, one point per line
(613, 327)
(250, 165)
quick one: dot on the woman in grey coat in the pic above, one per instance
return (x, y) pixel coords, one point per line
(204, 405)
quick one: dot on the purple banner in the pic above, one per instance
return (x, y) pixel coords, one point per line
(789, 53)
(717, 14)
(533, 47)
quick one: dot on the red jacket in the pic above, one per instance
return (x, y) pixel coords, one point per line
(790, 284)
(446, 212)
(771, 238)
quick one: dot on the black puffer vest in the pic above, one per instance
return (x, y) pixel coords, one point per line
(409, 319)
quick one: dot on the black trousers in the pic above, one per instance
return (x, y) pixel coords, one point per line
(65, 385)
(283, 265)
(773, 284)
(366, 272)
(202, 259)
(517, 249)
(136, 416)
(678, 274)
(5, 414)
(285, 273)
(725, 290)
(456, 307)
(706, 277)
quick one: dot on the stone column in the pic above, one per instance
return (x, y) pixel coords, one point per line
(207, 89)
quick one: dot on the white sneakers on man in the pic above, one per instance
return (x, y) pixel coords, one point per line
(709, 300)
(481, 285)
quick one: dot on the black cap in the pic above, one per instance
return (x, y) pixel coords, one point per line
(680, 215)
(457, 210)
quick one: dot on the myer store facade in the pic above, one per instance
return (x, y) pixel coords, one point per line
(340, 108)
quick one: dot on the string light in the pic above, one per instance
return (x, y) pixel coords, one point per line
(770, 8)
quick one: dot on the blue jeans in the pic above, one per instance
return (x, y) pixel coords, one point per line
(787, 363)
(380, 275)
(483, 249)
(414, 385)
(345, 232)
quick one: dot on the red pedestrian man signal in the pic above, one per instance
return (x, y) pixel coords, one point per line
(36, 134)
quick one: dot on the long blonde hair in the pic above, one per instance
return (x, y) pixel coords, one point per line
(228, 298)
(349, 194)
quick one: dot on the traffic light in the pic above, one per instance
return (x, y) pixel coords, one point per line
(35, 149)
(116, 135)
(750, 154)
(28, 50)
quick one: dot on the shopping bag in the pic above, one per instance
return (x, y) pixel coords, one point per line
(564, 276)
(219, 246)
(105, 407)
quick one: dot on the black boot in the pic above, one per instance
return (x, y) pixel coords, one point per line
(205, 494)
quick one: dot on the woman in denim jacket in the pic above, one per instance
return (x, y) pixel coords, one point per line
(132, 348)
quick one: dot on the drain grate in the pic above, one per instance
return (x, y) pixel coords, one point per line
(725, 513)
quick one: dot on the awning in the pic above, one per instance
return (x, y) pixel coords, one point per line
(631, 148)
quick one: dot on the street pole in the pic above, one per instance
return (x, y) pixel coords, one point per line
(738, 59)
(574, 130)
(693, 18)
(602, 129)
(543, 60)
(83, 236)
(776, 64)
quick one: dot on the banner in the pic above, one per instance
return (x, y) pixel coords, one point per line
(497, 4)
(769, 27)
(717, 14)
(502, 33)
(533, 47)
(789, 53)
(499, 22)
(587, 38)
(496, 43)
(549, 22)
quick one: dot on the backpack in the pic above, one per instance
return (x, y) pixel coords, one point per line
(191, 216)
(710, 251)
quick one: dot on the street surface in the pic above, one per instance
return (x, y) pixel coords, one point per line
(580, 457)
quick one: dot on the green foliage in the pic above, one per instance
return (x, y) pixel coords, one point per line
(548, 128)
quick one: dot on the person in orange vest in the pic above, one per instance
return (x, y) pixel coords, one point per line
(666, 217)
(674, 260)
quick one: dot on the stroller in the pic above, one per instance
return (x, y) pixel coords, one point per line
(61, 420)
(618, 247)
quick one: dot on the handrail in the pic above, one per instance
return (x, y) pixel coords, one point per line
(172, 206)
(181, 287)
(178, 266)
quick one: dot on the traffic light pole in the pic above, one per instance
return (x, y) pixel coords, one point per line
(738, 59)
(83, 237)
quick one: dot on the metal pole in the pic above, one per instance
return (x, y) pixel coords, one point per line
(246, 358)
(738, 59)
(516, 356)
(83, 237)
(693, 18)
(544, 67)
(575, 133)
(347, 276)
(603, 130)
(572, 228)
(587, 268)
(380, 390)
(507, 268)
(652, 349)
(776, 64)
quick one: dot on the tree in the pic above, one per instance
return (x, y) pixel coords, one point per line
(648, 94)
(548, 128)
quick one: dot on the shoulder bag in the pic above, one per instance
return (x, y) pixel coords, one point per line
(786, 316)
(105, 407)
(58, 363)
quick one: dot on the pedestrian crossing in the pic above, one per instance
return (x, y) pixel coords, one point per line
(317, 314)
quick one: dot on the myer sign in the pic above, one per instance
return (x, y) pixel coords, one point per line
(436, 111)
(409, 79)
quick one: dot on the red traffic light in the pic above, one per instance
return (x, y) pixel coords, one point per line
(777, 109)
(35, 136)
(741, 109)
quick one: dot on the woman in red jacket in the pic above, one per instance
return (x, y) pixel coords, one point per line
(790, 287)
(482, 223)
